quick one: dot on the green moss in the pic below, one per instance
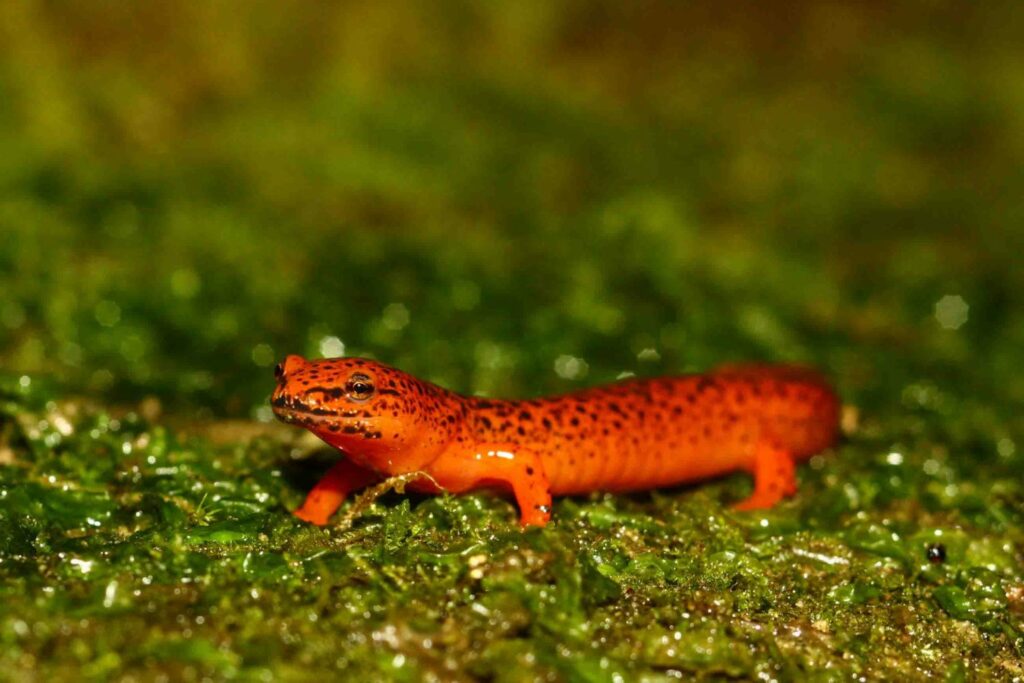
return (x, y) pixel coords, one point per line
(508, 203)
(180, 555)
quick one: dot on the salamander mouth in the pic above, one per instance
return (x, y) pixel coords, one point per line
(286, 404)
(292, 409)
(306, 418)
(322, 420)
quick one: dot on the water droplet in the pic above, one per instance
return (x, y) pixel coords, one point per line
(84, 566)
(571, 367)
(648, 355)
(109, 594)
(332, 347)
(951, 311)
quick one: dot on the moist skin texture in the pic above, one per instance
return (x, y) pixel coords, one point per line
(631, 435)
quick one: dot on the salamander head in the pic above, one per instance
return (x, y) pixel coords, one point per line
(382, 418)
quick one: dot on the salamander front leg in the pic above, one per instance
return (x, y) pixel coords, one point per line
(774, 478)
(329, 493)
(502, 465)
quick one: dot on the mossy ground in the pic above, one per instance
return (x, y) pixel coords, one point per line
(507, 201)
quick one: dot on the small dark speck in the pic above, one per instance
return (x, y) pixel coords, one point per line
(936, 553)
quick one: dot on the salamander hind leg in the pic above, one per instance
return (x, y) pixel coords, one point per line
(501, 464)
(774, 478)
(329, 493)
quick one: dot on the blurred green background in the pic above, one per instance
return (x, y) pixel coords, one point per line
(513, 199)
(470, 191)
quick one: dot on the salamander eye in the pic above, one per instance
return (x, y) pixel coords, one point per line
(278, 372)
(359, 387)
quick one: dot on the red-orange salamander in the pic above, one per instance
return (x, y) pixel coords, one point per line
(631, 435)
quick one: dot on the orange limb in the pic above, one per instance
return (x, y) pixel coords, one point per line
(774, 478)
(329, 493)
(506, 465)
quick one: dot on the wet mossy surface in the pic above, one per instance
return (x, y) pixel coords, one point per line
(178, 213)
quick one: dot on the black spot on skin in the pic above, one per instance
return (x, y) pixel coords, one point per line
(529, 471)
(321, 411)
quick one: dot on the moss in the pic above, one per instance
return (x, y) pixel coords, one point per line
(491, 201)
(127, 549)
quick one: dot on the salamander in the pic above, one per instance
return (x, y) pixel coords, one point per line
(631, 435)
